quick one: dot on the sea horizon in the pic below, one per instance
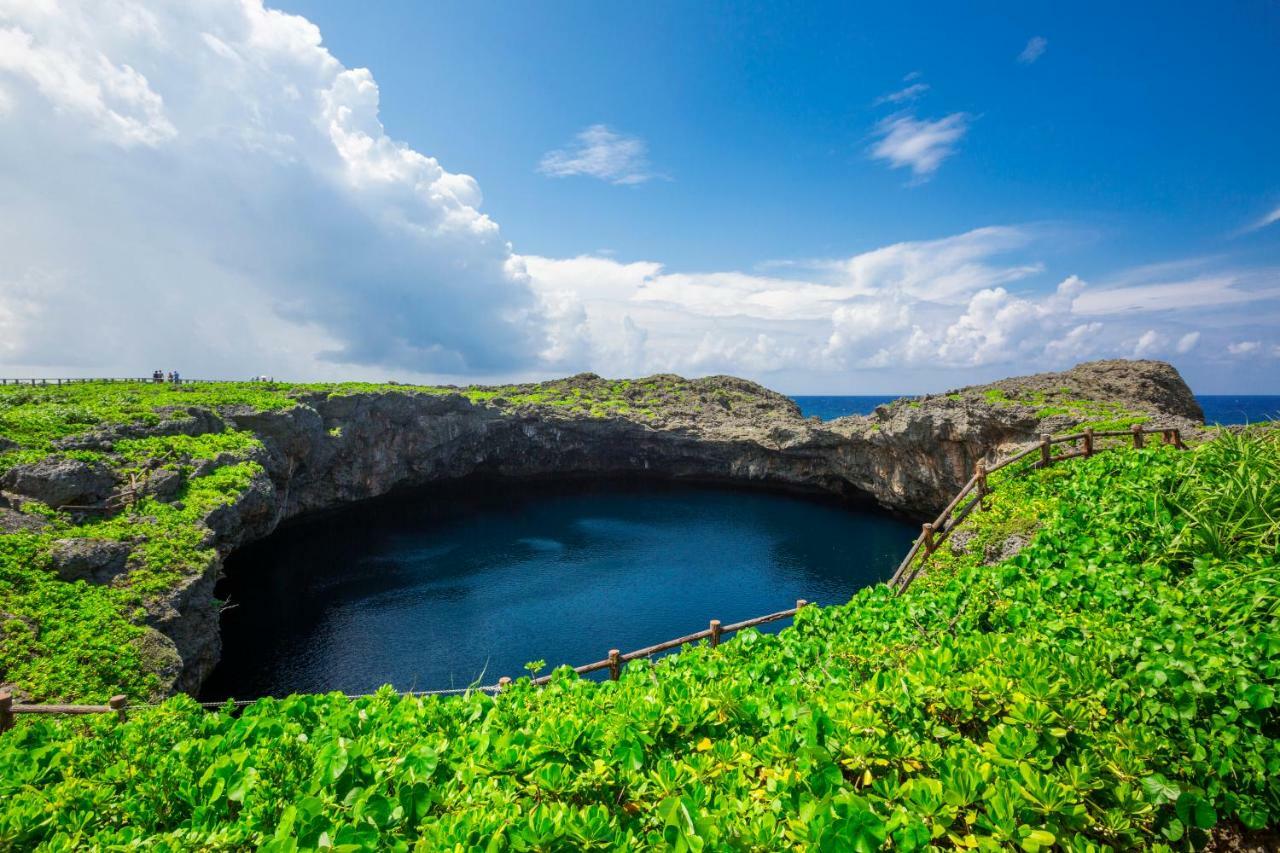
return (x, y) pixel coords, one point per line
(1225, 409)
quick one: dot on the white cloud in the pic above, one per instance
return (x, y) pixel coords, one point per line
(907, 93)
(1262, 222)
(1150, 343)
(1035, 48)
(921, 303)
(1218, 290)
(1244, 347)
(203, 186)
(920, 144)
(1187, 343)
(600, 152)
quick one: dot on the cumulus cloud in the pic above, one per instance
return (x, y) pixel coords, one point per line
(1150, 343)
(1035, 48)
(918, 144)
(599, 152)
(204, 185)
(1244, 347)
(916, 303)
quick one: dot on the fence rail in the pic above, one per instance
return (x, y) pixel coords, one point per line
(714, 632)
(934, 533)
(118, 705)
(104, 380)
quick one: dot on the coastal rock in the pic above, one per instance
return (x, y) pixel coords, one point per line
(93, 560)
(193, 421)
(60, 482)
(163, 484)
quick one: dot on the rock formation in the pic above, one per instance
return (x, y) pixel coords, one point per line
(328, 450)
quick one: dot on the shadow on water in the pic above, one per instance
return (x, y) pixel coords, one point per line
(443, 587)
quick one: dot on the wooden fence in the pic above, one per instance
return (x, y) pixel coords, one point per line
(118, 704)
(933, 534)
(714, 632)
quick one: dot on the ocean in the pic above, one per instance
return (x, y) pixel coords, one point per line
(1218, 408)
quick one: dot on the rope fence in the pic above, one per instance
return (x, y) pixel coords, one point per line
(933, 534)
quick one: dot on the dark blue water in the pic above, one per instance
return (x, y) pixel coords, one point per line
(1238, 409)
(1218, 408)
(829, 408)
(442, 590)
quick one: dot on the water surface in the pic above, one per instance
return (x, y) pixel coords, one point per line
(1218, 408)
(446, 588)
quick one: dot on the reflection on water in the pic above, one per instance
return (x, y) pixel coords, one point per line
(443, 589)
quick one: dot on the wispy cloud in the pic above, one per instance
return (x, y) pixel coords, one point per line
(1034, 50)
(909, 93)
(920, 144)
(1270, 219)
(1244, 347)
(600, 152)
(1207, 291)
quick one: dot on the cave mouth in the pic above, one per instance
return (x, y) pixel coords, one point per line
(467, 582)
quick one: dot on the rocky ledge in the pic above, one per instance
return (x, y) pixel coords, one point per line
(325, 448)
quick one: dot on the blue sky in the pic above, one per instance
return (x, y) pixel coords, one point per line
(825, 198)
(1148, 128)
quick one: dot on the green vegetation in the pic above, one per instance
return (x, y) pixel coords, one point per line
(1112, 686)
(1101, 415)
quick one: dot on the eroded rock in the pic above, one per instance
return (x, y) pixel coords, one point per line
(60, 482)
(94, 560)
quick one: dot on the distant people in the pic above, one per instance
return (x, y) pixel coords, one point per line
(157, 376)
(177, 379)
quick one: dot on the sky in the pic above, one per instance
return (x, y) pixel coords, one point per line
(823, 198)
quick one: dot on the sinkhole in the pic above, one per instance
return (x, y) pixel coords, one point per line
(464, 583)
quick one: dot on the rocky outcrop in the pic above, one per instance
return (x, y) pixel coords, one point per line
(60, 482)
(328, 450)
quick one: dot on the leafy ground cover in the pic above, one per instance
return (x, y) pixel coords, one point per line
(1112, 686)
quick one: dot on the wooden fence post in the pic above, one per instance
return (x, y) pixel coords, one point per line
(1137, 436)
(715, 633)
(118, 704)
(980, 471)
(1088, 441)
(800, 604)
(503, 683)
(1177, 439)
(6, 710)
(926, 530)
(1046, 452)
(615, 664)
